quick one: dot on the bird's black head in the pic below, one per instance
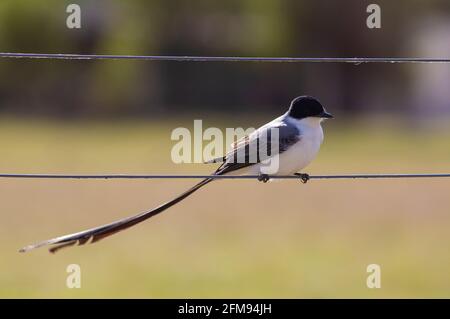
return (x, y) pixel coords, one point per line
(307, 106)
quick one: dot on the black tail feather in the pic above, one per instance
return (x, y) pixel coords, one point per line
(95, 234)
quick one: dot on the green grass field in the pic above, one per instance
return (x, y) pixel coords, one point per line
(233, 238)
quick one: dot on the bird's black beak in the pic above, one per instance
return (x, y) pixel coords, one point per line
(326, 115)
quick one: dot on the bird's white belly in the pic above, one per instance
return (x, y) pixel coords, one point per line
(298, 156)
(293, 160)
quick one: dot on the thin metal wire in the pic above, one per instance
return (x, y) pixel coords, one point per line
(354, 60)
(128, 176)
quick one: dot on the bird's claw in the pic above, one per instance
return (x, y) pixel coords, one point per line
(304, 177)
(263, 178)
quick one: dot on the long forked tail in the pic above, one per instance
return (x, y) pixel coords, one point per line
(95, 234)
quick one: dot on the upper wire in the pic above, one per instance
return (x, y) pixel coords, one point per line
(354, 60)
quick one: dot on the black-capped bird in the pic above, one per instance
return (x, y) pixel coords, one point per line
(299, 137)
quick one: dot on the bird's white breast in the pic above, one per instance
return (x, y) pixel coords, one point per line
(297, 156)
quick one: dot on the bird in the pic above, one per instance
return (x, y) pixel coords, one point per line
(300, 136)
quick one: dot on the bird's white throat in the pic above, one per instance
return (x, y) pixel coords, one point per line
(310, 121)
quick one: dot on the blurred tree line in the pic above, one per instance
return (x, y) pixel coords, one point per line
(301, 28)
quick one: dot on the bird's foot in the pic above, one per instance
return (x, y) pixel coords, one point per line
(304, 177)
(263, 178)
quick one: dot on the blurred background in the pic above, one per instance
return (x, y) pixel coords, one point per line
(234, 238)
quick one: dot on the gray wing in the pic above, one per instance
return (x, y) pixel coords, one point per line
(259, 146)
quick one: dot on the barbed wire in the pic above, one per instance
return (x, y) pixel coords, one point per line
(354, 60)
(132, 176)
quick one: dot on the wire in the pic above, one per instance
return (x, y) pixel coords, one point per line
(218, 58)
(127, 176)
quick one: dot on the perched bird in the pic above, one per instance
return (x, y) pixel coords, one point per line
(299, 139)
